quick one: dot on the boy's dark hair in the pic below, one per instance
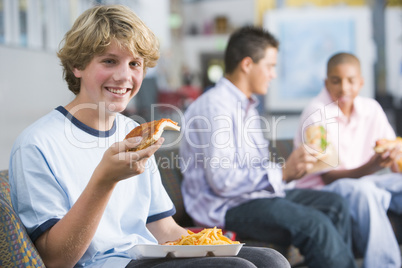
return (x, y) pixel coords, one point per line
(248, 41)
(340, 58)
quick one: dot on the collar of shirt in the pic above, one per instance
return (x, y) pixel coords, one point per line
(247, 104)
(358, 111)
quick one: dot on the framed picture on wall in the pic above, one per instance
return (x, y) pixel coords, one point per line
(393, 51)
(308, 38)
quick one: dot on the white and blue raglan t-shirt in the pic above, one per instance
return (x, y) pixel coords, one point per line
(50, 165)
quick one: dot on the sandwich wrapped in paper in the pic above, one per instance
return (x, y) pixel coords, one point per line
(316, 143)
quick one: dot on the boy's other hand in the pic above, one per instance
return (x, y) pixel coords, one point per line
(390, 158)
(297, 165)
(387, 159)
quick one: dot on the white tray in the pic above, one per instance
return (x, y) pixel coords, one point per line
(161, 251)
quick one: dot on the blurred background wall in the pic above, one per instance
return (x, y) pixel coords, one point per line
(193, 35)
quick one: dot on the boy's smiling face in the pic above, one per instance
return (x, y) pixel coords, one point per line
(113, 77)
(343, 83)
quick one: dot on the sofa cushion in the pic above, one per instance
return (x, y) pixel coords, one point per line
(16, 248)
(5, 186)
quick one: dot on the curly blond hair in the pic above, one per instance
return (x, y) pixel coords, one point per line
(95, 29)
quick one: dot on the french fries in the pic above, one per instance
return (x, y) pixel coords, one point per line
(208, 236)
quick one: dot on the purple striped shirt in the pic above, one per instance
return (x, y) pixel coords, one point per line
(224, 156)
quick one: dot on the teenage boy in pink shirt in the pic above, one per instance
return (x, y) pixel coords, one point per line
(353, 124)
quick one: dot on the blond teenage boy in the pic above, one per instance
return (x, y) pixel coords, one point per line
(354, 124)
(84, 200)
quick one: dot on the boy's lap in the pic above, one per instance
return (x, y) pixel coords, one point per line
(391, 182)
(368, 187)
(277, 212)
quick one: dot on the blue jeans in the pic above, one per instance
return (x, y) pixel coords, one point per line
(317, 223)
(369, 199)
(247, 257)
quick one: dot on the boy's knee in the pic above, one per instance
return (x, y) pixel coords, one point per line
(236, 262)
(337, 201)
(313, 221)
(276, 258)
(350, 188)
(265, 257)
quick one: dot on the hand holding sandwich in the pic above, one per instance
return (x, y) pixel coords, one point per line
(128, 158)
(388, 154)
(118, 163)
(298, 164)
